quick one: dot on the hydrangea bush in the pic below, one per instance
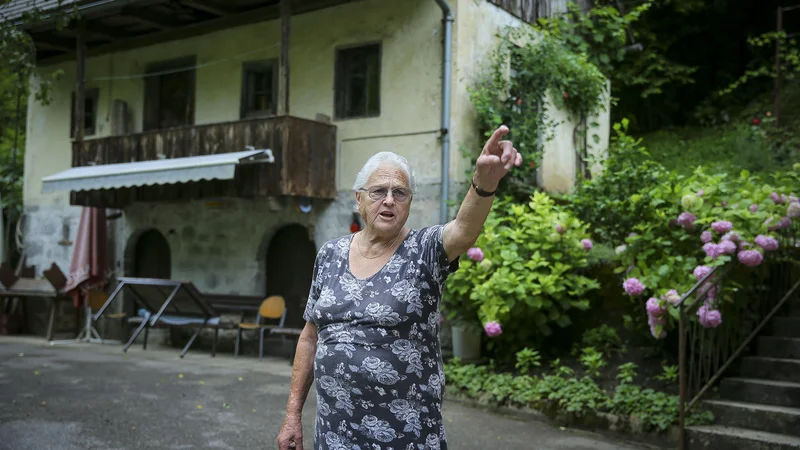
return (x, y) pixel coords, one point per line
(523, 275)
(695, 223)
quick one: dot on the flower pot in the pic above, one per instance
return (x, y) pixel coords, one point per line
(466, 343)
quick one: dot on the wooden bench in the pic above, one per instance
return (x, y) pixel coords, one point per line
(247, 305)
(243, 305)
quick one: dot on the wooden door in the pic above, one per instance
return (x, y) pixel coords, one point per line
(290, 267)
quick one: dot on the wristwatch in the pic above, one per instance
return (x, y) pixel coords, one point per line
(480, 191)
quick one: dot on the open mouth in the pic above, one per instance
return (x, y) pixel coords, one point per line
(387, 215)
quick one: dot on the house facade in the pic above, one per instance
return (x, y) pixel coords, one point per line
(320, 84)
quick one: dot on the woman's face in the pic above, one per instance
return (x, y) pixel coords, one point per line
(385, 201)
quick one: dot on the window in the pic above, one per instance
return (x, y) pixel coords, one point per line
(259, 88)
(90, 97)
(357, 82)
(169, 94)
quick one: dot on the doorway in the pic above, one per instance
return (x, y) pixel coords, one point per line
(152, 258)
(290, 268)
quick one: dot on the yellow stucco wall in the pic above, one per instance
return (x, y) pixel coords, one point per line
(410, 32)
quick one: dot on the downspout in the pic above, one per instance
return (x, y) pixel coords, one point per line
(447, 18)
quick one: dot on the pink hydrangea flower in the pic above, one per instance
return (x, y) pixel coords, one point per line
(672, 297)
(705, 236)
(707, 290)
(709, 318)
(785, 223)
(475, 254)
(560, 229)
(712, 250)
(633, 286)
(493, 329)
(656, 320)
(654, 307)
(768, 243)
(753, 208)
(731, 236)
(793, 210)
(778, 199)
(728, 247)
(700, 193)
(750, 258)
(701, 271)
(686, 219)
(587, 244)
(722, 226)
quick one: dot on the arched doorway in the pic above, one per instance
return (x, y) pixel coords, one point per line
(151, 256)
(147, 255)
(290, 266)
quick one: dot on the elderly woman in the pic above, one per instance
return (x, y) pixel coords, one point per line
(371, 339)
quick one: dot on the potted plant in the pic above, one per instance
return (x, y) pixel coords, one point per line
(465, 329)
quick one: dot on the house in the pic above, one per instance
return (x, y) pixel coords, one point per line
(291, 96)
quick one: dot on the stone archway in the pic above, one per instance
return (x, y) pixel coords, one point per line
(289, 269)
(148, 255)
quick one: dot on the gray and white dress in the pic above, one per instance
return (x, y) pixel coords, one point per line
(378, 367)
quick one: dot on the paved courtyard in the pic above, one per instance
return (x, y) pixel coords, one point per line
(92, 396)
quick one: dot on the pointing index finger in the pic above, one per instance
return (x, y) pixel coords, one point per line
(496, 137)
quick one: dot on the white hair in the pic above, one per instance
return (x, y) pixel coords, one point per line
(385, 159)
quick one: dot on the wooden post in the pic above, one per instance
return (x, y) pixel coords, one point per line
(283, 76)
(777, 105)
(80, 75)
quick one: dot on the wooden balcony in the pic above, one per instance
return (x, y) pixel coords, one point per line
(304, 151)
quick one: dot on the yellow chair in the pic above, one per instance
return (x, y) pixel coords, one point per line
(273, 307)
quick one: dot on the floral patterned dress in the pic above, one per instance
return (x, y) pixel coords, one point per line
(378, 367)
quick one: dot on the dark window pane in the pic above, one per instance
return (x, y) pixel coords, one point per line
(258, 88)
(358, 82)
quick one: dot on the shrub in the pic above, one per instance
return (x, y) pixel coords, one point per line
(697, 222)
(527, 276)
(609, 202)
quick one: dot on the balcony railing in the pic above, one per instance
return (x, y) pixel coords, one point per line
(304, 150)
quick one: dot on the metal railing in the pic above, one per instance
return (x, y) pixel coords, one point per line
(748, 298)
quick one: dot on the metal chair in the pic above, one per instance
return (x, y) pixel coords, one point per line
(273, 307)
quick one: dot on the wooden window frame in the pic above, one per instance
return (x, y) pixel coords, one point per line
(151, 105)
(250, 66)
(340, 78)
(92, 94)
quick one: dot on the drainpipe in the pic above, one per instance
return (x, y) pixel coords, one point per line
(447, 19)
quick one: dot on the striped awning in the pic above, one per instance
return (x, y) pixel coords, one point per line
(161, 171)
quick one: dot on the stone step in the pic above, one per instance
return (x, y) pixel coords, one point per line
(752, 416)
(778, 347)
(718, 437)
(778, 369)
(763, 392)
(786, 326)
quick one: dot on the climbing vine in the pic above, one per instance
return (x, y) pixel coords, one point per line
(531, 74)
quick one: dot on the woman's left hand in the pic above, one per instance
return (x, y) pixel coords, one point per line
(496, 159)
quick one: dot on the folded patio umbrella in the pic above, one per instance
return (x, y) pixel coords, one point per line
(88, 267)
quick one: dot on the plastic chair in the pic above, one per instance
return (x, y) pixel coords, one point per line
(273, 307)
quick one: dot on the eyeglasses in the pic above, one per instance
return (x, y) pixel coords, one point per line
(379, 193)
